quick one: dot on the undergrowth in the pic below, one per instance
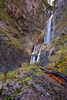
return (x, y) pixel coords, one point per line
(16, 73)
(59, 60)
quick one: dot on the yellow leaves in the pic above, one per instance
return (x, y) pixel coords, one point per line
(59, 61)
(59, 70)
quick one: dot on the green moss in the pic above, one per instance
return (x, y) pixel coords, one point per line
(8, 98)
(26, 80)
(37, 73)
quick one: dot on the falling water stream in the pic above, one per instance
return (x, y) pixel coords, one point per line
(48, 30)
(47, 39)
(33, 58)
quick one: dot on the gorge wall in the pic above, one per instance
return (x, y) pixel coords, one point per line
(22, 25)
(54, 54)
(60, 18)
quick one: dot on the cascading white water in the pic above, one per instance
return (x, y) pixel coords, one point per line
(33, 56)
(48, 30)
(38, 56)
(46, 39)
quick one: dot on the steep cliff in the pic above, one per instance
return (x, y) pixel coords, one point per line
(21, 25)
(54, 54)
(60, 18)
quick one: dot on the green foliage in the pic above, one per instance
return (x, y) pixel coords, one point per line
(59, 61)
(7, 98)
(37, 73)
(17, 72)
(26, 80)
(33, 68)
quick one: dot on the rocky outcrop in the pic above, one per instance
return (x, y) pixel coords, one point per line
(39, 86)
(47, 51)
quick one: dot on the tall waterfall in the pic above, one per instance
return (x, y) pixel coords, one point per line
(48, 30)
(46, 39)
(33, 58)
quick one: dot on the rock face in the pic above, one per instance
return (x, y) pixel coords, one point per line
(9, 56)
(39, 87)
(59, 28)
(59, 19)
(21, 26)
(31, 16)
(47, 51)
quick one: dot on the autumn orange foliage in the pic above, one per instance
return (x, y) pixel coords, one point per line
(14, 79)
(28, 63)
(5, 74)
(22, 70)
(56, 78)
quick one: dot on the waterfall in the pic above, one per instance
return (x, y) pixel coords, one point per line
(33, 55)
(46, 39)
(48, 30)
(38, 56)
